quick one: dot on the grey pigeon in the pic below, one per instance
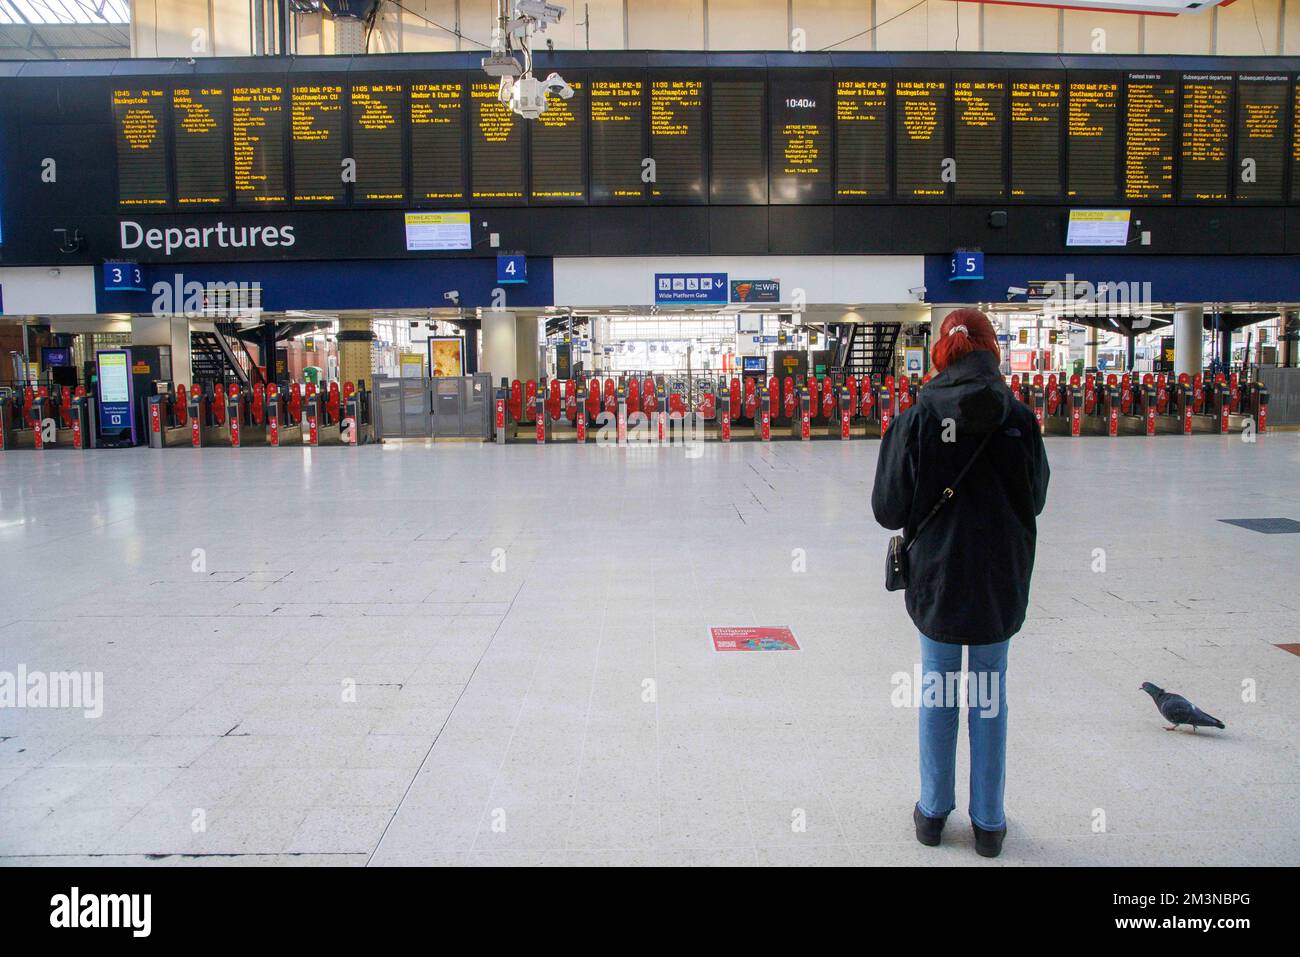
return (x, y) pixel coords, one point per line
(1178, 710)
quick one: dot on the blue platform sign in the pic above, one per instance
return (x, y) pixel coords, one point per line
(123, 276)
(512, 269)
(966, 264)
(699, 288)
(116, 394)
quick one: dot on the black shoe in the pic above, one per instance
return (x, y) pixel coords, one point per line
(928, 829)
(988, 843)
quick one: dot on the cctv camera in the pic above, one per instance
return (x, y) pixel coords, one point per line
(1013, 291)
(918, 292)
(556, 84)
(452, 296)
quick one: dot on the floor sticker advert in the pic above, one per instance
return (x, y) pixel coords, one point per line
(752, 638)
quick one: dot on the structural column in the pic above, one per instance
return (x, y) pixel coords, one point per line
(171, 331)
(500, 358)
(1189, 325)
(526, 341)
(355, 337)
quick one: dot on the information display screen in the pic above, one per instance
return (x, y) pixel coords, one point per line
(139, 121)
(1150, 132)
(257, 130)
(1036, 137)
(496, 139)
(1260, 168)
(437, 112)
(677, 138)
(559, 148)
(317, 132)
(978, 128)
(378, 146)
(1295, 141)
(921, 138)
(862, 137)
(1206, 142)
(617, 139)
(801, 118)
(201, 128)
(1092, 138)
(736, 119)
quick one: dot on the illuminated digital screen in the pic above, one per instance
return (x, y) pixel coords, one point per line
(496, 146)
(978, 125)
(559, 144)
(257, 129)
(377, 142)
(316, 129)
(802, 113)
(1206, 131)
(437, 118)
(920, 138)
(1036, 137)
(201, 128)
(1150, 135)
(139, 121)
(736, 116)
(677, 139)
(862, 137)
(617, 139)
(1260, 168)
(1092, 138)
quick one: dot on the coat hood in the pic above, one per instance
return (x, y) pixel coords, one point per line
(970, 391)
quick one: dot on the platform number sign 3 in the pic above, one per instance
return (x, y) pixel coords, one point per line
(512, 269)
(123, 277)
(966, 264)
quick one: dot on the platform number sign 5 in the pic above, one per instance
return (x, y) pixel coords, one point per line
(512, 269)
(966, 264)
(123, 277)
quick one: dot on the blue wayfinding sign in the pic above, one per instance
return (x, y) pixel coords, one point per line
(512, 269)
(123, 276)
(116, 394)
(707, 288)
(966, 264)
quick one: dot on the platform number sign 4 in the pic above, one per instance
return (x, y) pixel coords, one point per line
(123, 277)
(512, 269)
(966, 264)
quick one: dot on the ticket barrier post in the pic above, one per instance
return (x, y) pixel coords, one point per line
(542, 425)
(1177, 416)
(844, 406)
(207, 416)
(247, 415)
(169, 419)
(1258, 406)
(283, 420)
(620, 400)
(1223, 403)
(1036, 403)
(500, 418)
(1142, 420)
(803, 427)
(886, 405)
(579, 406)
(763, 415)
(723, 403)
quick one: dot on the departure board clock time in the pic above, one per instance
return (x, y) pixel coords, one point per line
(1150, 131)
(921, 138)
(316, 132)
(677, 138)
(139, 124)
(738, 173)
(437, 121)
(1260, 169)
(801, 141)
(618, 151)
(559, 144)
(1092, 138)
(257, 131)
(1036, 137)
(978, 124)
(378, 144)
(496, 138)
(201, 129)
(862, 137)
(1206, 142)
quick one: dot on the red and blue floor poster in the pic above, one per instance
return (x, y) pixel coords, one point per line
(751, 638)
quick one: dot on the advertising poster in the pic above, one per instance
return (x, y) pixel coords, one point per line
(446, 356)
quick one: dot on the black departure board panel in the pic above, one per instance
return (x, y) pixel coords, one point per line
(378, 147)
(921, 138)
(1092, 138)
(1295, 142)
(496, 143)
(978, 127)
(437, 120)
(862, 137)
(1036, 137)
(257, 132)
(1206, 137)
(559, 146)
(1260, 169)
(140, 124)
(618, 150)
(1150, 136)
(801, 118)
(201, 130)
(738, 174)
(316, 129)
(677, 138)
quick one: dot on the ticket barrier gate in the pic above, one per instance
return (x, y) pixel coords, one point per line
(207, 416)
(26, 412)
(31, 418)
(1035, 399)
(246, 413)
(1063, 407)
(332, 417)
(284, 419)
(1137, 406)
(169, 415)
(1174, 403)
(1100, 408)
(1257, 406)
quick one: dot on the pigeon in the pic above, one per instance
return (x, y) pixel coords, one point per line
(1178, 710)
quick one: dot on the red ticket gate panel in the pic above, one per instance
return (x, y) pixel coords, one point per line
(788, 399)
(868, 398)
(515, 402)
(500, 414)
(828, 398)
(773, 397)
(593, 399)
(886, 404)
(611, 399)
(530, 400)
(571, 401)
(1015, 386)
(733, 396)
(708, 404)
(553, 400)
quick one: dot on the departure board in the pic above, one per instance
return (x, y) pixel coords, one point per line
(559, 145)
(1150, 130)
(1092, 138)
(316, 131)
(801, 117)
(437, 118)
(377, 142)
(201, 129)
(139, 118)
(496, 142)
(257, 130)
(1036, 137)
(862, 137)
(1260, 169)
(978, 124)
(921, 138)
(1295, 142)
(617, 139)
(1207, 131)
(677, 139)
(738, 173)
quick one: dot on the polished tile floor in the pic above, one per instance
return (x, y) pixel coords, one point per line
(482, 655)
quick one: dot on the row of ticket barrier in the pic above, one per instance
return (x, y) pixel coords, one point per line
(41, 417)
(846, 407)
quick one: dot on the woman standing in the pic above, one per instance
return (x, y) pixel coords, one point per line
(969, 565)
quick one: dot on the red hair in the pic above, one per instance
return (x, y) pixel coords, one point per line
(962, 332)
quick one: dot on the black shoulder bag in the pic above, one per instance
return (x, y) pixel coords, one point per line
(896, 566)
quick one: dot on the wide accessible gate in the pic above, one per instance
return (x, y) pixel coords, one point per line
(443, 407)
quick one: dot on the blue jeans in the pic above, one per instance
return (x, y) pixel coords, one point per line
(941, 700)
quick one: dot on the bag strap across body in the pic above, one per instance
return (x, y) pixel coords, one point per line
(948, 492)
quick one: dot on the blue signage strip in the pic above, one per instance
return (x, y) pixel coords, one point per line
(966, 264)
(706, 288)
(123, 276)
(511, 269)
(116, 393)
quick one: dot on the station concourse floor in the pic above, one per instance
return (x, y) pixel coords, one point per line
(523, 634)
